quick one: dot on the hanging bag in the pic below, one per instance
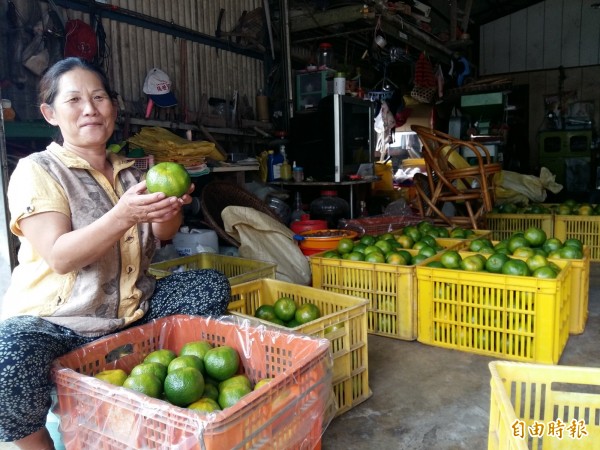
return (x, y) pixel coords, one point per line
(80, 40)
(425, 84)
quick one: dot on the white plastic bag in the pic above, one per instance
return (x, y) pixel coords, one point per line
(263, 238)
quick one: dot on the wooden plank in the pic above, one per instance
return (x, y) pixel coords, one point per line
(518, 37)
(553, 10)
(502, 50)
(325, 18)
(571, 29)
(589, 50)
(535, 37)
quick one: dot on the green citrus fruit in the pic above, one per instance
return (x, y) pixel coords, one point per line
(535, 262)
(427, 251)
(236, 379)
(285, 308)
(264, 312)
(405, 241)
(515, 242)
(494, 262)
(232, 394)
(535, 236)
(205, 406)
(524, 252)
(574, 243)
(344, 245)
(184, 386)
(355, 256)
(552, 244)
(384, 246)
(307, 312)
(367, 239)
(292, 323)
(544, 272)
(163, 356)
(196, 348)
(145, 383)
(451, 259)
(154, 368)
(413, 232)
(210, 391)
(112, 376)
(472, 263)
(570, 252)
(221, 362)
(186, 361)
(515, 267)
(375, 257)
(435, 264)
(261, 383)
(168, 177)
(477, 244)
(457, 233)
(417, 259)
(396, 259)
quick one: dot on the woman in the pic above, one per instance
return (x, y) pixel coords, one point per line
(87, 228)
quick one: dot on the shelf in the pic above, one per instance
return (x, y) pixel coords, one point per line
(190, 126)
(29, 130)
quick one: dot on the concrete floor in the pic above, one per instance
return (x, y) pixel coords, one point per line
(428, 398)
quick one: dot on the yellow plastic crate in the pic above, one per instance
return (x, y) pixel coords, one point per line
(237, 270)
(505, 316)
(584, 228)
(504, 225)
(580, 291)
(343, 321)
(391, 291)
(524, 397)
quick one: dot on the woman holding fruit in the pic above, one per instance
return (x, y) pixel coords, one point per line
(87, 227)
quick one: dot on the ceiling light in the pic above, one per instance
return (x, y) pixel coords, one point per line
(595, 5)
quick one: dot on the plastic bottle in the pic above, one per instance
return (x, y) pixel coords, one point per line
(330, 207)
(286, 170)
(273, 166)
(297, 213)
(7, 110)
(325, 56)
(297, 173)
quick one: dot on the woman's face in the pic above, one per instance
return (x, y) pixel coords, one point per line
(82, 110)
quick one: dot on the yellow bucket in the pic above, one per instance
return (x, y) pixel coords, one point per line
(385, 172)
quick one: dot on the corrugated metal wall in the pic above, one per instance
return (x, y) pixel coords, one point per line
(544, 36)
(194, 68)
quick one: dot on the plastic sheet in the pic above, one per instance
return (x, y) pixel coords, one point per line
(291, 411)
(513, 187)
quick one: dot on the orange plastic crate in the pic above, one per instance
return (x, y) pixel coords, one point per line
(511, 317)
(289, 413)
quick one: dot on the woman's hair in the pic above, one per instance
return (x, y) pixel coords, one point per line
(48, 87)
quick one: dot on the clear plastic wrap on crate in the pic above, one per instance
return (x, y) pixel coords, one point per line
(379, 224)
(291, 411)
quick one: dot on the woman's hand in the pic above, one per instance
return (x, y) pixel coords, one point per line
(137, 205)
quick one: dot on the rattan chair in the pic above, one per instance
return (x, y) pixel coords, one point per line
(217, 195)
(452, 179)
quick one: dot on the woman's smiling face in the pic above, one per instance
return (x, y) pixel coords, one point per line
(82, 109)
